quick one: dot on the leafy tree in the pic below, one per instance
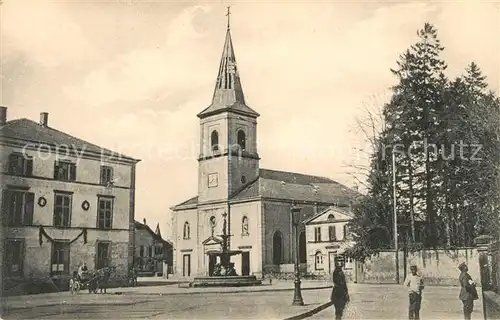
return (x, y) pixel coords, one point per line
(434, 127)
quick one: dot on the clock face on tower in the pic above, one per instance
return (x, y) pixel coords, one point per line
(213, 180)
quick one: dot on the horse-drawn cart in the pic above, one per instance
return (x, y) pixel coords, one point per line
(92, 280)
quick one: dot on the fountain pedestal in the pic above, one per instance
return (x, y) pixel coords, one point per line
(225, 275)
(226, 281)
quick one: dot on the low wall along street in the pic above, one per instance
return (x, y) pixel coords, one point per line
(437, 267)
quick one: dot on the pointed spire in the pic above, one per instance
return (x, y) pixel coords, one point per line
(158, 229)
(228, 93)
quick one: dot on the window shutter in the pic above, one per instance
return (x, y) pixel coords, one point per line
(109, 254)
(56, 169)
(102, 175)
(13, 158)
(6, 205)
(29, 167)
(28, 208)
(21, 255)
(72, 172)
(66, 257)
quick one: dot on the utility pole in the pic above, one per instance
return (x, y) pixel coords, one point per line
(396, 247)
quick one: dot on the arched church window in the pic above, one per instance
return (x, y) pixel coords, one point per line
(242, 139)
(277, 248)
(331, 217)
(302, 248)
(244, 226)
(318, 261)
(214, 140)
(187, 231)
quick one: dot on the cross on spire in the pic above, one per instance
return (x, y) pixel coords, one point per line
(228, 15)
(228, 93)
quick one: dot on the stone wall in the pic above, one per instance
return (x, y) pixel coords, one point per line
(490, 262)
(438, 267)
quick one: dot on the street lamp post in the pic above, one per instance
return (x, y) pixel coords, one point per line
(297, 297)
(396, 248)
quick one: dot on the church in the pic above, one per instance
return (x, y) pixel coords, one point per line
(254, 203)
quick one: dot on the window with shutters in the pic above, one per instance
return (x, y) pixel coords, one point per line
(64, 171)
(60, 257)
(106, 175)
(14, 257)
(331, 233)
(105, 213)
(20, 165)
(346, 231)
(62, 210)
(150, 251)
(141, 251)
(317, 234)
(17, 207)
(103, 254)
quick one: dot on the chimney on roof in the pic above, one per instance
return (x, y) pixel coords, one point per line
(315, 208)
(44, 119)
(144, 220)
(3, 115)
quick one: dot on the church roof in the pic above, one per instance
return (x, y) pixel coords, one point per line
(290, 186)
(28, 131)
(296, 186)
(228, 93)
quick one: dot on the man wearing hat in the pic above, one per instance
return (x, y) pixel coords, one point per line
(468, 292)
(415, 286)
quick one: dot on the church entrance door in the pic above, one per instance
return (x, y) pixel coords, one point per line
(186, 265)
(212, 261)
(245, 263)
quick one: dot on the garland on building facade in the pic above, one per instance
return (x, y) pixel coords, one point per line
(42, 234)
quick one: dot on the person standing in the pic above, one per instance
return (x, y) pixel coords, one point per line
(340, 294)
(468, 292)
(415, 285)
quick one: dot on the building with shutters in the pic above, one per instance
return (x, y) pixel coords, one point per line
(233, 190)
(327, 237)
(152, 252)
(64, 201)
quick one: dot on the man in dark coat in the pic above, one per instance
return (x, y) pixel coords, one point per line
(340, 295)
(468, 292)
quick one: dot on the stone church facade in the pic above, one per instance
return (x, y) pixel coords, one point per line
(255, 202)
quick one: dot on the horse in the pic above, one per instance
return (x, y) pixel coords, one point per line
(102, 276)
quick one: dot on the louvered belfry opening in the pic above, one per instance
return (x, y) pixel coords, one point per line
(227, 71)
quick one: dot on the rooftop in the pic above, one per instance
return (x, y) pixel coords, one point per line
(290, 186)
(25, 131)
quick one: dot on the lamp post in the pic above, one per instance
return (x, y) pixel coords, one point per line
(297, 297)
(396, 248)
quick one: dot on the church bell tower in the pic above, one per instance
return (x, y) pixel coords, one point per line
(228, 158)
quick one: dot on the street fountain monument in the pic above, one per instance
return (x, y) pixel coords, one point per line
(224, 274)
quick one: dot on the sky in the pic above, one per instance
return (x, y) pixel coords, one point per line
(132, 75)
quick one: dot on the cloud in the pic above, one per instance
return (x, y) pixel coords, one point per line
(41, 29)
(134, 76)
